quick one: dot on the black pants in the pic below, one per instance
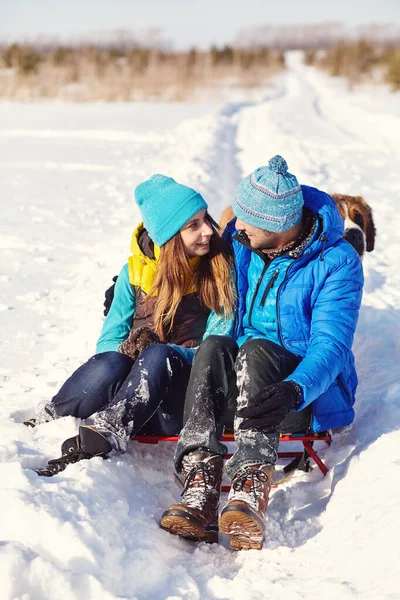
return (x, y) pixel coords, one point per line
(224, 378)
(211, 385)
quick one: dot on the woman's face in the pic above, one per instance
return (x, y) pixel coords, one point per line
(196, 235)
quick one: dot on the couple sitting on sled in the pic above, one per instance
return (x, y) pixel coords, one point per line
(252, 331)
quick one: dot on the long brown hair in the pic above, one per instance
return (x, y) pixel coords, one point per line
(212, 278)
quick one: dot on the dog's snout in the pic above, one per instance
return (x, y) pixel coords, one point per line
(355, 237)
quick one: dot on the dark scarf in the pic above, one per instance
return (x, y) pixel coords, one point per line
(295, 248)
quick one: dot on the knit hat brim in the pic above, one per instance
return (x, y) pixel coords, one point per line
(166, 206)
(267, 222)
(177, 219)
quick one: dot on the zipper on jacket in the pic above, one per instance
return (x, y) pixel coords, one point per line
(277, 303)
(269, 286)
(323, 239)
(256, 292)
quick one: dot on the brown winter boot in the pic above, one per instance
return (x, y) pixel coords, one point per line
(243, 517)
(196, 515)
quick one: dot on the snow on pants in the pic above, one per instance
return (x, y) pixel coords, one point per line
(150, 400)
(90, 388)
(223, 379)
(108, 377)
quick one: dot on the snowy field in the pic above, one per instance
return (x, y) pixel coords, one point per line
(67, 174)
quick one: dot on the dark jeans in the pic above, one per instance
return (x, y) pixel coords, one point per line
(222, 379)
(91, 387)
(150, 400)
(128, 397)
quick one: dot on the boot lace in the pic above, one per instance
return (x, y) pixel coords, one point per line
(256, 477)
(199, 486)
(206, 477)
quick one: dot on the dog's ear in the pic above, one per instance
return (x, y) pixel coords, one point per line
(226, 216)
(371, 232)
(340, 200)
(370, 229)
(364, 208)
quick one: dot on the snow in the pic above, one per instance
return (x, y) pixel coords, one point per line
(67, 175)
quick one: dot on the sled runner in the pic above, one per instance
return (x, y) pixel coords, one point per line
(72, 451)
(300, 459)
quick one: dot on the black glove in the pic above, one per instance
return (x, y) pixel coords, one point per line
(269, 407)
(109, 297)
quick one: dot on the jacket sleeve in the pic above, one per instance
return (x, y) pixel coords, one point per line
(119, 320)
(221, 325)
(333, 321)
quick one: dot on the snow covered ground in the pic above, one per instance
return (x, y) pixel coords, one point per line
(67, 175)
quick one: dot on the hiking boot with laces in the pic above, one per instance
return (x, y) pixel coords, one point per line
(196, 515)
(86, 445)
(243, 517)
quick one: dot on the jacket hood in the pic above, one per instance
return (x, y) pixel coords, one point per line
(142, 244)
(143, 262)
(324, 207)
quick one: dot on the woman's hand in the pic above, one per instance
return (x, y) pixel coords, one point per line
(138, 340)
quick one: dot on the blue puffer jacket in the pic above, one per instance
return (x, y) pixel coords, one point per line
(310, 306)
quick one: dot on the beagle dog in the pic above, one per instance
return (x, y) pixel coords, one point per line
(359, 226)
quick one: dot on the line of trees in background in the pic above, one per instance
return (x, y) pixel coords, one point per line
(359, 61)
(316, 35)
(128, 71)
(126, 66)
(366, 53)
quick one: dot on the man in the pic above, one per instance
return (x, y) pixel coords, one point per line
(299, 292)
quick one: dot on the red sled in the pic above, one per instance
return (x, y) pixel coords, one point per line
(300, 459)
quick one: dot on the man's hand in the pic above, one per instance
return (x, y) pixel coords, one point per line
(268, 408)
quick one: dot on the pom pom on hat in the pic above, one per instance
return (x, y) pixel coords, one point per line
(278, 165)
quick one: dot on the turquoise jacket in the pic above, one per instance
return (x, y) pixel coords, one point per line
(118, 322)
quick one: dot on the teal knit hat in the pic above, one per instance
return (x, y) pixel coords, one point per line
(270, 198)
(166, 206)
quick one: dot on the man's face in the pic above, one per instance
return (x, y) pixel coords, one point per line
(260, 239)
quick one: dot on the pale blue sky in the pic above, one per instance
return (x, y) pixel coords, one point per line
(187, 22)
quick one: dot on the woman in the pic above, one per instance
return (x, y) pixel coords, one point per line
(175, 290)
